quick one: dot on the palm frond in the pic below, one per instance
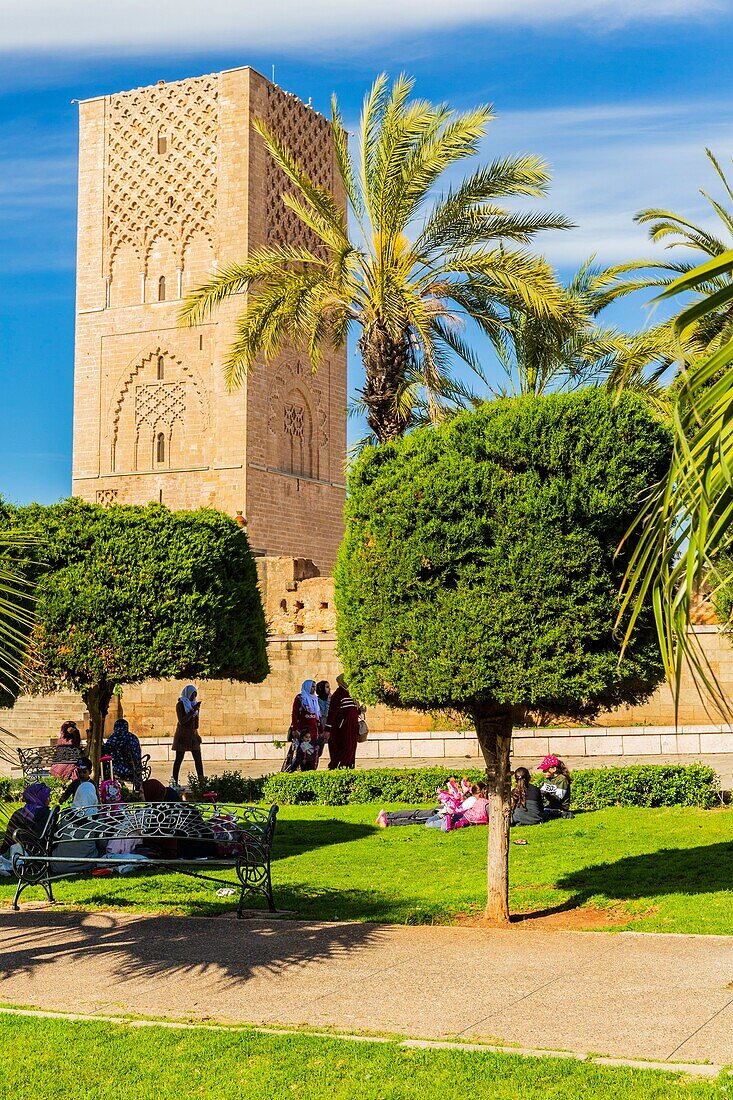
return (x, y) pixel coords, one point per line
(17, 614)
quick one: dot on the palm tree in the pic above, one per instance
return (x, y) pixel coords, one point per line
(16, 613)
(417, 267)
(685, 525)
(542, 354)
(714, 322)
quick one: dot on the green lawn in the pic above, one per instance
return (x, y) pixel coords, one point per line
(118, 1062)
(668, 870)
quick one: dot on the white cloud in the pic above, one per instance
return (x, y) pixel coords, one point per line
(610, 161)
(169, 25)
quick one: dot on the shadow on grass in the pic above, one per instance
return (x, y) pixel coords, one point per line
(703, 870)
(294, 836)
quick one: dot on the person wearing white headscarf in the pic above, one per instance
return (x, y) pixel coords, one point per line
(186, 738)
(307, 729)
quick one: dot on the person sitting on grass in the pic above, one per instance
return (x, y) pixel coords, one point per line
(31, 817)
(527, 804)
(460, 805)
(474, 807)
(556, 788)
(124, 748)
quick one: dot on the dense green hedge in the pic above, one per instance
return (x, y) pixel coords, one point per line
(646, 785)
(640, 785)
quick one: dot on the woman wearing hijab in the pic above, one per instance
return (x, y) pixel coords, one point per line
(186, 738)
(124, 748)
(31, 816)
(307, 726)
(69, 738)
(323, 691)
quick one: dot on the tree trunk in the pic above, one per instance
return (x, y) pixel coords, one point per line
(385, 365)
(494, 732)
(97, 701)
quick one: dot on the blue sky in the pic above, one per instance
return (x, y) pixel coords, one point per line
(620, 104)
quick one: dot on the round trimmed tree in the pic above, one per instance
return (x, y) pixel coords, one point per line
(480, 572)
(129, 593)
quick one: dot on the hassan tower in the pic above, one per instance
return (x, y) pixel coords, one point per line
(174, 184)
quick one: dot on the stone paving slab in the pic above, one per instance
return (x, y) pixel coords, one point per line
(627, 995)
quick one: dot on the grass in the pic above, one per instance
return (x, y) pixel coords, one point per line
(661, 870)
(117, 1061)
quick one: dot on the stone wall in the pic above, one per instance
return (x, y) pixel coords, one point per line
(242, 722)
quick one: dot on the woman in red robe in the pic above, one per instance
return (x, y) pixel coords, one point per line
(343, 727)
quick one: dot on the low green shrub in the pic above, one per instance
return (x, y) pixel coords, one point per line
(594, 789)
(229, 787)
(646, 785)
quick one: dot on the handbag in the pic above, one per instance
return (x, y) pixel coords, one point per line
(363, 731)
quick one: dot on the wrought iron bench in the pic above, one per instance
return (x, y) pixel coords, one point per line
(36, 762)
(239, 837)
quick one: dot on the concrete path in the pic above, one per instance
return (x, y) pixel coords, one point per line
(628, 995)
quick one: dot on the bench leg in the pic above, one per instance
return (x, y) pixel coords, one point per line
(18, 891)
(270, 898)
(49, 892)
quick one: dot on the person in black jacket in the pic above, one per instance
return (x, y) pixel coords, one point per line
(527, 805)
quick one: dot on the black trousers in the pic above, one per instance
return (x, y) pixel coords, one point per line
(196, 754)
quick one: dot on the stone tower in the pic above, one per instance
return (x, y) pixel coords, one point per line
(174, 184)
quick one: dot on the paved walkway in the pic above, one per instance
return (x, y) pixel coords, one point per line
(624, 995)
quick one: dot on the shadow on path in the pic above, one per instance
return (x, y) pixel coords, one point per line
(128, 949)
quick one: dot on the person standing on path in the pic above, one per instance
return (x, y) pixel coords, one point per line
(307, 729)
(342, 727)
(323, 693)
(186, 738)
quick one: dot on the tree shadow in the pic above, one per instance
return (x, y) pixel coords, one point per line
(294, 836)
(690, 871)
(225, 951)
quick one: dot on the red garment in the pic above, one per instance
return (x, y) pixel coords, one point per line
(343, 723)
(308, 730)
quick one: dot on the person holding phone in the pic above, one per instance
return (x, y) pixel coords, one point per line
(186, 738)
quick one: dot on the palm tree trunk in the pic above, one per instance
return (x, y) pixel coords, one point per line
(385, 365)
(494, 732)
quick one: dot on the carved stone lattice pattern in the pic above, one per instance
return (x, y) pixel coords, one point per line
(172, 362)
(171, 193)
(106, 496)
(294, 420)
(308, 137)
(291, 376)
(160, 402)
